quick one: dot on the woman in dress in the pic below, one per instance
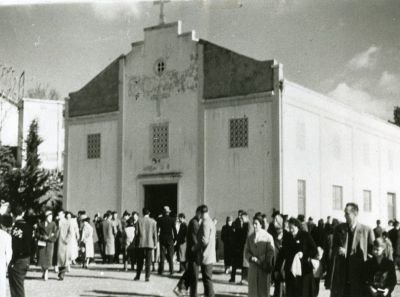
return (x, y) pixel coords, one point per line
(129, 241)
(298, 250)
(87, 242)
(109, 237)
(259, 251)
(46, 234)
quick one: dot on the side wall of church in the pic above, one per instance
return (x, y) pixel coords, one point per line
(239, 178)
(92, 184)
(49, 114)
(8, 123)
(169, 98)
(327, 144)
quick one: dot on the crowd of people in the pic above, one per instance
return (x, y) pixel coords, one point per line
(292, 256)
(282, 256)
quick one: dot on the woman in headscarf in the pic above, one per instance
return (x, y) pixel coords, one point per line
(259, 251)
(298, 250)
(281, 235)
(46, 234)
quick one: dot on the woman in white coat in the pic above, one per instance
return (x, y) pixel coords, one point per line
(5, 252)
(87, 241)
(73, 246)
(259, 251)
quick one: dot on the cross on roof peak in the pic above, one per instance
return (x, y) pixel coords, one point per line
(161, 3)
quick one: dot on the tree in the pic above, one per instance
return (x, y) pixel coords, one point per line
(32, 186)
(54, 196)
(43, 92)
(9, 175)
(396, 116)
(34, 183)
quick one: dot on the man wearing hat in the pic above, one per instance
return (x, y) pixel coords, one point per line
(166, 229)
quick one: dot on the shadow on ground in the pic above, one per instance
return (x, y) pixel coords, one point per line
(103, 293)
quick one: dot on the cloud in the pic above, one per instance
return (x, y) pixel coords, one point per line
(366, 59)
(110, 10)
(390, 83)
(361, 100)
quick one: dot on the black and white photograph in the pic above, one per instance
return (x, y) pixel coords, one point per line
(200, 148)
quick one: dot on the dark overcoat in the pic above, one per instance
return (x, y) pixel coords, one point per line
(181, 242)
(353, 265)
(193, 254)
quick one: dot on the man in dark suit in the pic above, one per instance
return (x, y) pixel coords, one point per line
(378, 230)
(146, 242)
(240, 236)
(167, 232)
(351, 243)
(394, 236)
(21, 234)
(193, 258)
(181, 242)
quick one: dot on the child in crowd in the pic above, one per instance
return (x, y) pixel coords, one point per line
(380, 271)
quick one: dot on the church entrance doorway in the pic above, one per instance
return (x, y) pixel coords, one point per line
(156, 196)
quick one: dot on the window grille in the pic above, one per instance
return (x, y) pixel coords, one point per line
(94, 146)
(239, 132)
(160, 140)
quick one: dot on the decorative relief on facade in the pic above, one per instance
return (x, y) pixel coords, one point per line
(158, 165)
(163, 86)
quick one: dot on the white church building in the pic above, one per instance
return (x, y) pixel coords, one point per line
(181, 121)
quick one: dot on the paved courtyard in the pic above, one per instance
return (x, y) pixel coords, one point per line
(111, 281)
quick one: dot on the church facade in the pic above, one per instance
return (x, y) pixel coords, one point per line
(180, 121)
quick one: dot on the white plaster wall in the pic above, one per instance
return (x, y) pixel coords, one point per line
(49, 115)
(335, 154)
(92, 183)
(8, 123)
(301, 160)
(178, 107)
(238, 178)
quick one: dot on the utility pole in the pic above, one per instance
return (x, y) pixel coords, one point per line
(20, 106)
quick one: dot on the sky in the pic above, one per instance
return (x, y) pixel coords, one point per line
(347, 49)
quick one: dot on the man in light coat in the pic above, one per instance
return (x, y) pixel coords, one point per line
(206, 242)
(109, 237)
(351, 243)
(146, 243)
(65, 234)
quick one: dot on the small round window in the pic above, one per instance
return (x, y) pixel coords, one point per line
(159, 66)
